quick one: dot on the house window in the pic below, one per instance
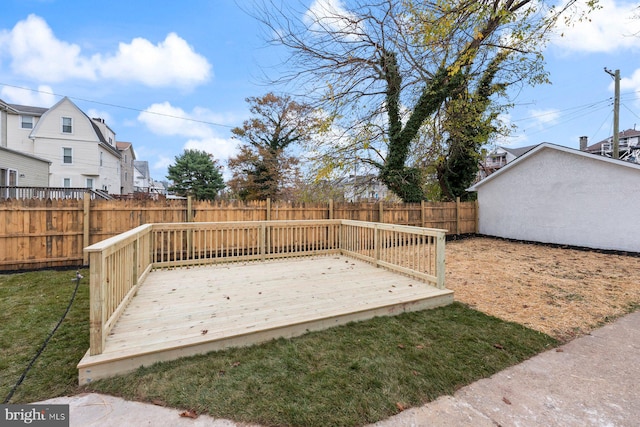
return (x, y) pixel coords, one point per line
(90, 183)
(67, 155)
(126, 176)
(101, 158)
(67, 125)
(26, 122)
(125, 158)
(66, 183)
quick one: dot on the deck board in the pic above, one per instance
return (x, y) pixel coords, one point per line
(245, 303)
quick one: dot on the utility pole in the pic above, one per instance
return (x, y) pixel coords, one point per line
(616, 113)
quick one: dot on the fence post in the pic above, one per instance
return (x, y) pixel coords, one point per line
(422, 214)
(477, 216)
(268, 208)
(457, 215)
(380, 212)
(440, 242)
(85, 226)
(189, 209)
(330, 208)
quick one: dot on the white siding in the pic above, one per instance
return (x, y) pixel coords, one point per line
(31, 172)
(85, 145)
(555, 196)
(18, 138)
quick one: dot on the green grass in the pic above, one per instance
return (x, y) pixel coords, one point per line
(31, 304)
(348, 375)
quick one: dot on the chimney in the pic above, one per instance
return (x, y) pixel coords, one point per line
(583, 143)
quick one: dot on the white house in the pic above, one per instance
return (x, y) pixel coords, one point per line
(499, 157)
(554, 194)
(81, 150)
(19, 169)
(142, 176)
(362, 188)
(127, 171)
(628, 146)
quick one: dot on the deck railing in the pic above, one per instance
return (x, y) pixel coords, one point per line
(119, 264)
(15, 192)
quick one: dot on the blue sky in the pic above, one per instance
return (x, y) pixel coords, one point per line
(200, 59)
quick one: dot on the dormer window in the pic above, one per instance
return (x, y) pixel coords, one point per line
(67, 125)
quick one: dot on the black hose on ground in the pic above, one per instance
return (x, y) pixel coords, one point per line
(44, 344)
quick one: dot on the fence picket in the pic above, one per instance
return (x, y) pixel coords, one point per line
(52, 233)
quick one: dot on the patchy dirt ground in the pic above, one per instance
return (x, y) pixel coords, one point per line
(561, 292)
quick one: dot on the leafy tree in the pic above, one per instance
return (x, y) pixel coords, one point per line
(386, 69)
(264, 167)
(195, 173)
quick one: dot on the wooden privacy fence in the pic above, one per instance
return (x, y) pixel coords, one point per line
(118, 265)
(52, 233)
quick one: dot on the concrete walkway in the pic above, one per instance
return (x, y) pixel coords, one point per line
(591, 381)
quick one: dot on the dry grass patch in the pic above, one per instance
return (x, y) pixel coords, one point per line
(561, 292)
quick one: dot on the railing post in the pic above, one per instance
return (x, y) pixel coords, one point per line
(376, 244)
(440, 265)
(189, 232)
(97, 310)
(134, 272)
(263, 241)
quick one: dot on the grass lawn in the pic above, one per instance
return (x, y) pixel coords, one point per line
(348, 375)
(31, 304)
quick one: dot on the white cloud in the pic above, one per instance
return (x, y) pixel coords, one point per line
(93, 113)
(517, 138)
(332, 16)
(221, 148)
(36, 52)
(167, 120)
(629, 84)
(545, 117)
(169, 63)
(604, 30)
(162, 163)
(42, 97)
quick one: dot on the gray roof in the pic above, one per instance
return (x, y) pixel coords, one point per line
(629, 133)
(142, 166)
(520, 150)
(20, 153)
(26, 109)
(548, 145)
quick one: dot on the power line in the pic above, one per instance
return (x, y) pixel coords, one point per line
(119, 106)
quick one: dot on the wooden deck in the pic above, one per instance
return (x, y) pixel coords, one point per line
(196, 310)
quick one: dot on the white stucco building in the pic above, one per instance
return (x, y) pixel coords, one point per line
(554, 194)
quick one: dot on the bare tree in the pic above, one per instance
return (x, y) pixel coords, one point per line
(384, 68)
